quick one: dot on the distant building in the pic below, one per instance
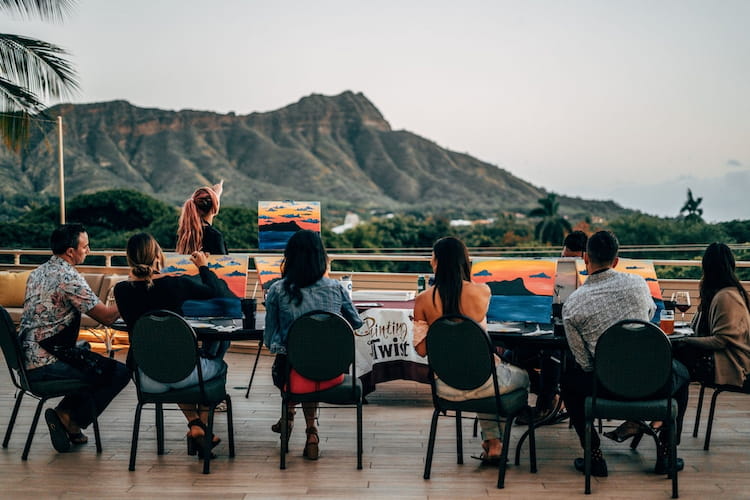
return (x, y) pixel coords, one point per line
(351, 220)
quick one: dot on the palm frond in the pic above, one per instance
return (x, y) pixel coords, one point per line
(38, 66)
(46, 10)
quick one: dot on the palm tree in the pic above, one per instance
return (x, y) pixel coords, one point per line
(552, 227)
(692, 207)
(32, 72)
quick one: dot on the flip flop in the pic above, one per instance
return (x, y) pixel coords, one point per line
(78, 438)
(57, 432)
(487, 459)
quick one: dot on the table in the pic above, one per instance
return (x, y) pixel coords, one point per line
(384, 348)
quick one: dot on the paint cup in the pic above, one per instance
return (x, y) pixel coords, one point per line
(248, 313)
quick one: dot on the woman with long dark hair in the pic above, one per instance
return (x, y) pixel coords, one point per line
(455, 293)
(720, 351)
(304, 287)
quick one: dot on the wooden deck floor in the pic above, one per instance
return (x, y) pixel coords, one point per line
(396, 424)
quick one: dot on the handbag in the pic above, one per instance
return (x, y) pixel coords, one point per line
(279, 371)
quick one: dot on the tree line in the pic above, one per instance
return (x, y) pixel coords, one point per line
(112, 216)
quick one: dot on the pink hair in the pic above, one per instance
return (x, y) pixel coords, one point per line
(203, 202)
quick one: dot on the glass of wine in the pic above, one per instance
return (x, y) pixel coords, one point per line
(681, 301)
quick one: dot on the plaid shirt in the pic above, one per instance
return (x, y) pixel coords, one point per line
(55, 294)
(603, 300)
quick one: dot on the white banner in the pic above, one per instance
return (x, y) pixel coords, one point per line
(387, 335)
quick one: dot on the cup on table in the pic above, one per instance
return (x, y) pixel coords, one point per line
(248, 307)
(666, 321)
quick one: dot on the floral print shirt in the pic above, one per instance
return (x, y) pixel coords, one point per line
(56, 295)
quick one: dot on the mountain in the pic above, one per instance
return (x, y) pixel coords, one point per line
(512, 287)
(336, 149)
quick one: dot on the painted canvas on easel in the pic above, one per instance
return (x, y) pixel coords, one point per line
(522, 289)
(643, 268)
(279, 220)
(269, 270)
(231, 268)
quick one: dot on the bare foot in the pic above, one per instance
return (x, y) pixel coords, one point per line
(70, 426)
(492, 447)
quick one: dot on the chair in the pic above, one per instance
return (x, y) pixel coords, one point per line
(460, 353)
(40, 390)
(320, 346)
(633, 368)
(718, 389)
(165, 349)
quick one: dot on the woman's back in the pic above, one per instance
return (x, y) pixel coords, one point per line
(473, 303)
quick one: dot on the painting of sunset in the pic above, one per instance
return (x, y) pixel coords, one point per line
(643, 268)
(522, 289)
(269, 269)
(231, 268)
(279, 220)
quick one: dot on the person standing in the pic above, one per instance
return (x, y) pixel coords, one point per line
(608, 296)
(56, 296)
(195, 232)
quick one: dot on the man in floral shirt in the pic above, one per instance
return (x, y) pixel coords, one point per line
(56, 296)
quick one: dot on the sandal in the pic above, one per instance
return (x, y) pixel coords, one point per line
(625, 431)
(311, 451)
(57, 432)
(487, 459)
(289, 424)
(78, 438)
(196, 444)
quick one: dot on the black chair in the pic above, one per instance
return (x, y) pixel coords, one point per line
(460, 353)
(718, 389)
(320, 346)
(633, 367)
(164, 348)
(40, 390)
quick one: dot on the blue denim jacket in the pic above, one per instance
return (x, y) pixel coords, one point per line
(323, 295)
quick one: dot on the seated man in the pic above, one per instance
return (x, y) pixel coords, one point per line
(545, 367)
(56, 295)
(608, 296)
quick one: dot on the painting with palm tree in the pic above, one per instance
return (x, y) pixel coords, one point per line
(522, 289)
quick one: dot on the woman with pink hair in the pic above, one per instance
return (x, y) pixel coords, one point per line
(195, 232)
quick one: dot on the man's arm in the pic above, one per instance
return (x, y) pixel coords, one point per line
(104, 314)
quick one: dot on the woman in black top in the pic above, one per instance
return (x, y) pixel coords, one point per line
(147, 290)
(194, 231)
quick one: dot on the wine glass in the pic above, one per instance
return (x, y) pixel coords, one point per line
(681, 301)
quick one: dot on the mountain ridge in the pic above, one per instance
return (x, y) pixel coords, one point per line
(337, 149)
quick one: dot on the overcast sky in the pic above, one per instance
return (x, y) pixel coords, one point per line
(628, 100)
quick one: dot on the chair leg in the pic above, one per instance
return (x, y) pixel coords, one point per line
(587, 456)
(698, 409)
(255, 366)
(97, 434)
(134, 443)
(673, 457)
(459, 440)
(710, 424)
(32, 430)
(230, 425)
(431, 444)
(532, 447)
(284, 435)
(159, 415)
(475, 432)
(504, 455)
(207, 442)
(359, 435)
(13, 416)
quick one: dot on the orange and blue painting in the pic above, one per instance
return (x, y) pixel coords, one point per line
(522, 289)
(231, 268)
(269, 269)
(279, 220)
(642, 268)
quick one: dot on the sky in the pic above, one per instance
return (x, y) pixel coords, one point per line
(634, 101)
